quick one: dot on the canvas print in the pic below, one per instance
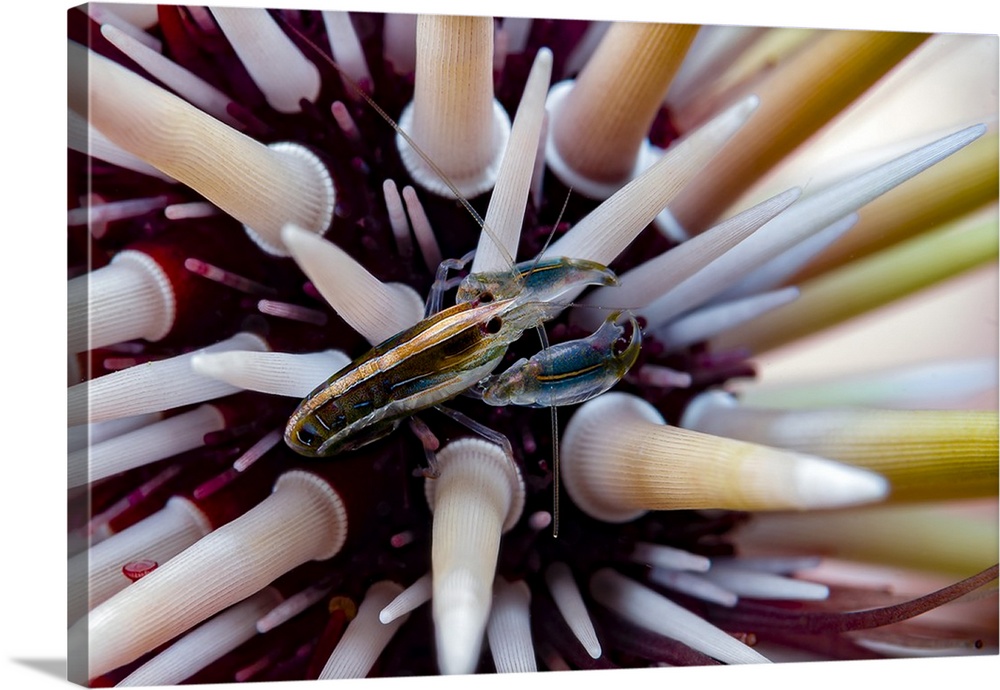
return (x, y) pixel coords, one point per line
(412, 344)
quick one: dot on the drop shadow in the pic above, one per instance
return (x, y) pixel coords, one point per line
(50, 667)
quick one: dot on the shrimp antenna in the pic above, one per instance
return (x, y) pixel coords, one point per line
(552, 232)
(543, 337)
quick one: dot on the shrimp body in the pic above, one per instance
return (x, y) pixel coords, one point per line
(456, 350)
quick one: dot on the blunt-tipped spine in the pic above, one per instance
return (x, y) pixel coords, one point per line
(152, 387)
(620, 460)
(797, 99)
(694, 585)
(609, 228)
(375, 309)
(507, 203)
(144, 446)
(464, 131)
(570, 603)
(478, 495)
(712, 320)
(303, 519)
(159, 537)
(206, 643)
(660, 555)
(925, 454)
(758, 585)
(652, 611)
(871, 282)
(129, 298)
(660, 275)
(366, 636)
(277, 373)
(276, 65)
(415, 595)
(264, 187)
(184, 82)
(346, 49)
(597, 130)
(509, 628)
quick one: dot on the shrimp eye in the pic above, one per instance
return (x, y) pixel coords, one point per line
(308, 436)
(485, 297)
(493, 326)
